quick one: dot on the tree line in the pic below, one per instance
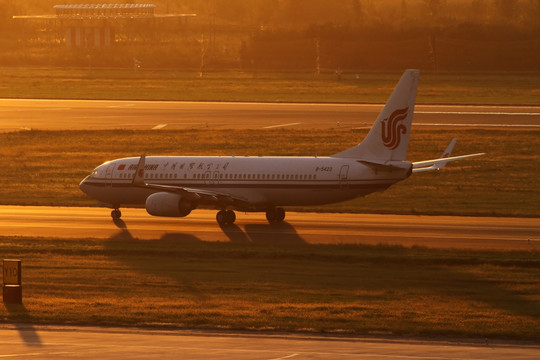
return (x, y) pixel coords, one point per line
(314, 35)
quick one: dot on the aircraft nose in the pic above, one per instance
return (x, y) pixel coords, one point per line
(83, 185)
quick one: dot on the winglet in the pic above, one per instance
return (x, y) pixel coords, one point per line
(449, 149)
(138, 179)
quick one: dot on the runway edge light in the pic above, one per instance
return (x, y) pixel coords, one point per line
(12, 289)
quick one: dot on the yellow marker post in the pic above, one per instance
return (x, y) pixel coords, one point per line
(12, 289)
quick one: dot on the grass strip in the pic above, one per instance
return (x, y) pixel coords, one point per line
(181, 282)
(96, 83)
(45, 167)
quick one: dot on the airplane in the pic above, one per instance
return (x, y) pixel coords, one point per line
(173, 186)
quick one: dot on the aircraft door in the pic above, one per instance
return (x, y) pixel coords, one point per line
(216, 177)
(343, 177)
(108, 175)
(208, 178)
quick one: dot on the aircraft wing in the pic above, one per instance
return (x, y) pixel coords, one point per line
(437, 164)
(199, 195)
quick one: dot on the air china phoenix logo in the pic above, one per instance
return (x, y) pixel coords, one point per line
(392, 129)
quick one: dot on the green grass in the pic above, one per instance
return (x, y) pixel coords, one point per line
(180, 281)
(49, 165)
(443, 88)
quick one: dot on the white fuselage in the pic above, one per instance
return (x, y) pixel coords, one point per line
(260, 182)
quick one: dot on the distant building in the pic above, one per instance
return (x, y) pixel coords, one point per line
(96, 25)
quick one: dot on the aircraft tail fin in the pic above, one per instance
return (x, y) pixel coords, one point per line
(388, 139)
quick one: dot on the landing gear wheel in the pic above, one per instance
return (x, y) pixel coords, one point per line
(225, 217)
(275, 215)
(231, 216)
(116, 214)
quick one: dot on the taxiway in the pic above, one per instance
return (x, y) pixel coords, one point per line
(25, 341)
(311, 228)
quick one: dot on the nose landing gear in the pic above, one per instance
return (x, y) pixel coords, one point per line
(116, 214)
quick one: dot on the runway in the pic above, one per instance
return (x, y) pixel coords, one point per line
(299, 228)
(114, 343)
(25, 341)
(26, 114)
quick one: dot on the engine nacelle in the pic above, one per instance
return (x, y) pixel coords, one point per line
(168, 204)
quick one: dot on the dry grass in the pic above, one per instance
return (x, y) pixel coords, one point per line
(442, 88)
(50, 165)
(354, 289)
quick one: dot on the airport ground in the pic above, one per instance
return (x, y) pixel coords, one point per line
(491, 88)
(502, 183)
(28, 114)
(56, 342)
(496, 287)
(344, 273)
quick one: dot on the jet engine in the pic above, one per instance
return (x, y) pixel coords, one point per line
(168, 204)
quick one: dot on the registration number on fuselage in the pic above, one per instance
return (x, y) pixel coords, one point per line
(323, 168)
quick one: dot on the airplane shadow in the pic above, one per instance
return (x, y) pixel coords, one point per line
(176, 238)
(120, 223)
(235, 234)
(171, 255)
(163, 257)
(270, 234)
(275, 234)
(27, 331)
(184, 257)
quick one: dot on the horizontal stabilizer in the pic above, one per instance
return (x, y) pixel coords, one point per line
(436, 164)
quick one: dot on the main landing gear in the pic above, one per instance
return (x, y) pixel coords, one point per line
(275, 215)
(116, 214)
(226, 217)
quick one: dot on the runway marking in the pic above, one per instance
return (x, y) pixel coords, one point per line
(478, 125)
(285, 357)
(21, 355)
(160, 126)
(477, 113)
(282, 125)
(120, 106)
